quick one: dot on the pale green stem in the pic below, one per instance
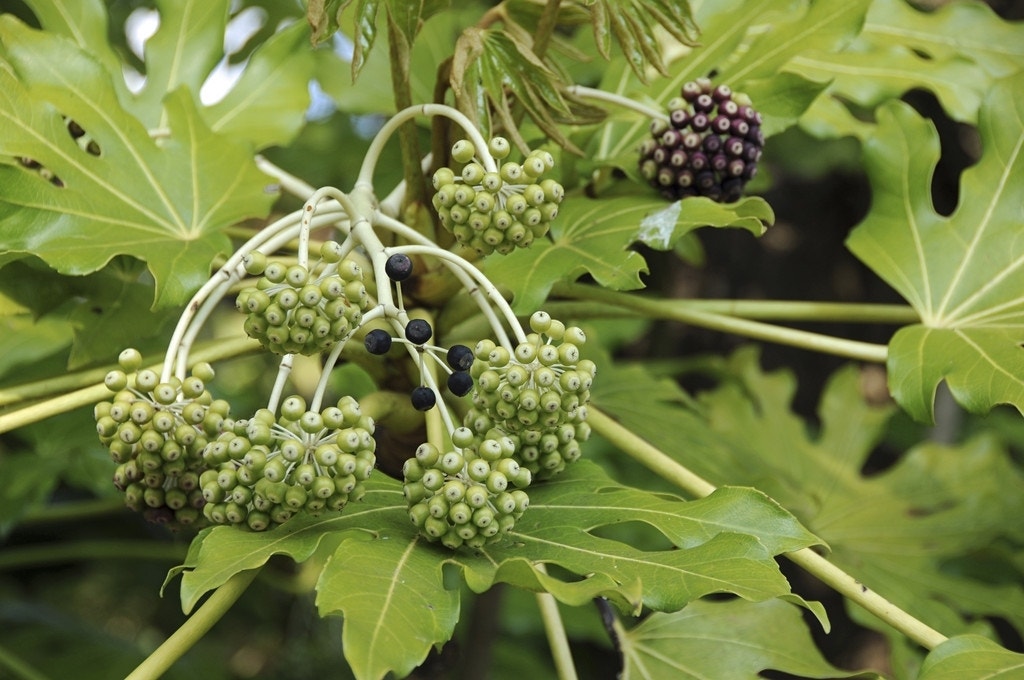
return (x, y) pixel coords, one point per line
(799, 310)
(618, 100)
(68, 511)
(662, 464)
(678, 310)
(365, 179)
(555, 631)
(212, 351)
(193, 630)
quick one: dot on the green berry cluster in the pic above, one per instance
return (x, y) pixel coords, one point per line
(469, 495)
(538, 393)
(497, 211)
(156, 432)
(305, 310)
(263, 470)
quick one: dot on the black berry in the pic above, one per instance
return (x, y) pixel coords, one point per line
(423, 398)
(398, 267)
(460, 357)
(460, 383)
(418, 331)
(377, 341)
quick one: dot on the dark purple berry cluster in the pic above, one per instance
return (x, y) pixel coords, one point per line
(709, 146)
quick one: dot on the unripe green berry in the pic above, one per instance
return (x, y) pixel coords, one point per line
(130, 359)
(116, 380)
(463, 151)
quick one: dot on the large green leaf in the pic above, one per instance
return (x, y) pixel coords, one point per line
(962, 273)
(165, 201)
(971, 656)
(592, 236)
(734, 639)
(266, 106)
(955, 52)
(394, 590)
(902, 531)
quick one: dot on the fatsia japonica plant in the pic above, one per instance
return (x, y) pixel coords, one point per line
(434, 339)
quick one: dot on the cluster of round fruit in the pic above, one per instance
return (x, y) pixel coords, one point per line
(263, 470)
(538, 393)
(471, 494)
(305, 310)
(709, 146)
(156, 432)
(497, 211)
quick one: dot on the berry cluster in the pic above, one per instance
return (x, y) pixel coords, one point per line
(305, 310)
(471, 494)
(497, 211)
(156, 432)
(263, 470)
(539, 393)
(710, 145)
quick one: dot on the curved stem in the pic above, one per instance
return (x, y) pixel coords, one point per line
(661, 463)
(194, 628)
(19, 669)
(679, 310)
(365, 179)
(618, 100)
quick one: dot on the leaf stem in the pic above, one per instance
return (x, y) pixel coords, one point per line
(682, 311)
(216, 350)
(555, 631)
(194, 627)
(662, 464)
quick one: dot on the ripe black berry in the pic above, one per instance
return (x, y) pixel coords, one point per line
(460, 357)
(418, 331)
(398, 267)
(423, 398)
(460, 383)
(378, 341)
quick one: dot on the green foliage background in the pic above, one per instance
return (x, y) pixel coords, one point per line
(868, 102)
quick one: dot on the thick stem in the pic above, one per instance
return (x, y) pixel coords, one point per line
(618, 100)
(661, 463)
(416, 189)
(194, 628)
(679, 310)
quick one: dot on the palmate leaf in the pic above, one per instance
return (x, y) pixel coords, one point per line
(900, 531)
(963, 273)
(971, 656)
(955, 51)
(266, 106)
(164, 201)
(734, 639)
(397, 596)
(592, 236)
